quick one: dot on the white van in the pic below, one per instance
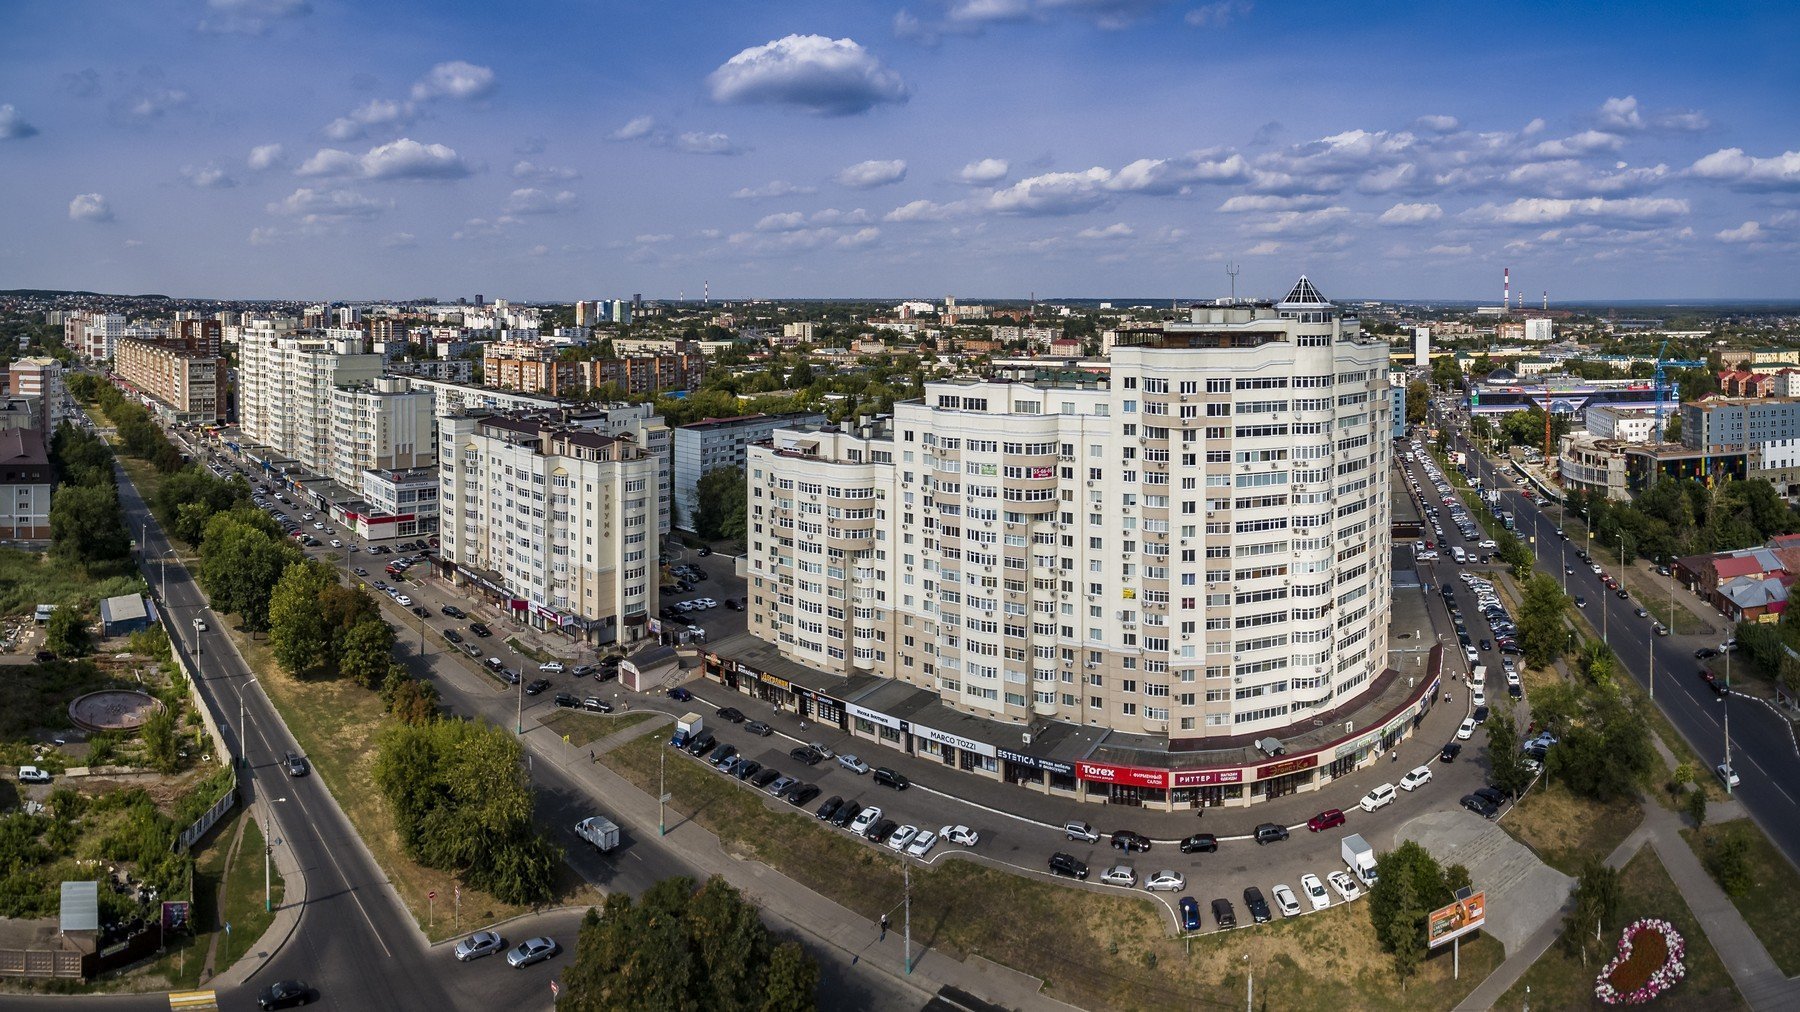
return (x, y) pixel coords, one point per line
(1457, 554)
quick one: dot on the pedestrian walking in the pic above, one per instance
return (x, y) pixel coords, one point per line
(591, 755)
(884, 927)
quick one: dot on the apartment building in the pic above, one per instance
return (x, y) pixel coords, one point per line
(183, 386)
(552, 518)
(720, 443)
(285, 387)
(41, 377)
(25, 485)
(93, 335)
(395, 504)
(534, 367)
(1738, 423)
(383, 424)
(1193, 548)
(645, 374)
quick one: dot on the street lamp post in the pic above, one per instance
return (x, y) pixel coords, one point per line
(243, 723)
(165, 576)
(1725, 701)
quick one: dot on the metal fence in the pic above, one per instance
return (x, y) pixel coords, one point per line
(209, 818)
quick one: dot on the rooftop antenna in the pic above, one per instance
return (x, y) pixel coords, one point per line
(1232, 270)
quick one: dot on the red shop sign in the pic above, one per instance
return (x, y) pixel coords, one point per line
(1133, 775)
(1203, 778)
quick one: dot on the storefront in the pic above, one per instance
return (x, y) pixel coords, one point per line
(1280, 779)
(956, 751)
(1205, 788)
(890, 731)
(1124, 785)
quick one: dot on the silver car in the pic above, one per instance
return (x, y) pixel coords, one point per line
(532, 950)
(479, 944)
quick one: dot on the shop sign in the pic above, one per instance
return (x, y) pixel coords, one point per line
(1033, 762)
(780, 683)
(1286, 766)
(1355, 746)
(943, 738)
(1204, 778)
(879, 718)
(1135, 776)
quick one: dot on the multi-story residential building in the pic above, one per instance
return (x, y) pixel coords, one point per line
(93, 335)
(42, 378)
(395, 504)
(1623, 423)
(456, 370)
(25, 485)
(186, 387)
(715, 443)
(1194, 548)
(383, 424)
(531, 367)
(202, 337)
(454, 398)
(554, 519)
(646, 374)
(285, 387)
(1738, 423)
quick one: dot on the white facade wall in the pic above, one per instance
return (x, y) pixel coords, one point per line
(385, 425)
(285, 388)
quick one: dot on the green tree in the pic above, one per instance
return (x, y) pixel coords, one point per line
(66, 634)
(1410, 886)
(793, 980)
(1404, 933)
(366, 652)
(722, 500)
(1543, 634)
(1596, 904)
(1696, 805)
(159, 734)
(301, 634)
(240, 564)
(1504, 755)
(1418, 401)
(86, 525)
(1728, 858)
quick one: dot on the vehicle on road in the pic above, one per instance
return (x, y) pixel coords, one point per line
(537, 685)
(889, 778)
(532, 950)
(551, 667)
(295, 764)
(1449, 752)
(1190, 914)
(732, 714)
(1067, 866)
(679, 694)
(479, 944)
(1120, 875)
(1166, 880)
(758, 728)
(962, 836)
(480, 630)
(33, 775)
(1200, 843)
(1128, 841)
(1271, 832)
(902, 837)
(1378, 798)
(1314, 890)
(1417, 778)
(864, 819)
(596, 705)
(1328, 819)
(285, 994)
(853, 764)
(1258, 907)
(1726, 774)
(1466, 730)
(1345, 885)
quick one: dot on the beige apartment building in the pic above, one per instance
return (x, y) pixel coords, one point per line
(187, 387)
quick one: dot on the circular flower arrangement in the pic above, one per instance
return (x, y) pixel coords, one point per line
(1648, 963)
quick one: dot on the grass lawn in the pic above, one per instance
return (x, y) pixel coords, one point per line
(182, 963)
(338, 724)
(1098, 950)
(584, 728)
(1565, 831)
(1768, 906)
(28, 579)
(536, 655)
(1558, 980)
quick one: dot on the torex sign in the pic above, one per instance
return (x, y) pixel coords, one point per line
(1137, 776)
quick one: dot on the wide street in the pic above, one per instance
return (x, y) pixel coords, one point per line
(1762, 742)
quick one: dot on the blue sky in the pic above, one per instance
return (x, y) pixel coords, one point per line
(560, 150)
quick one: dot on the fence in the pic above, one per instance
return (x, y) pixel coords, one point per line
(191, 835)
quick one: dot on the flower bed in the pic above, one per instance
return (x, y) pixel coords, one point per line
(1648, 963)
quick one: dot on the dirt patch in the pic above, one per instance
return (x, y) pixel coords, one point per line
(1566, 832)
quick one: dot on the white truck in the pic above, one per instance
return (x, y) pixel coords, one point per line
(600, 831)
(1479, 674)
(687, 728)
(1359, 858)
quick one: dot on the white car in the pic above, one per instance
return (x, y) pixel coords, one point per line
(403, 600)
(1726, 774)
(864, 819)
(1120, 875)
(1467, 730)
(551, 667)
(902, 836)
(1166, 881)
(335, 543)
(1284, 898)
(1345, 885)
(1416, 779)
(1478, 696)
(318, 526)
(1315, 891)
(706, 602)
(961, 835)
(922, 843)
(1379, 798)
(33, 775)
(199, 625)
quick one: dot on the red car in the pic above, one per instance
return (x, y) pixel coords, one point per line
(1327, 819)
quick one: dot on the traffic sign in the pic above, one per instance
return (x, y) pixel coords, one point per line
(432, 895)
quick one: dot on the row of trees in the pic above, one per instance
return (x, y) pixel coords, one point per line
(138, 432)
(722, 504)
(682, 948)
(1674, 517)
(87, 527)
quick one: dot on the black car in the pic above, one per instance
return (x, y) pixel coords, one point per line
(1480, 806)
(731, 713)
(296, 764)
(453, 636)
(284, 994)
(1492, 795)
(421, 611)
(758, 728)
(564, 699)
(765, 778)
(881, 830)
(829, 807)
(805, 756)
(1271, 832)
(452, 610)
(746, 770)
(1258, 907)
(702, 745)
(1223, 915)
(680, 695)
(803, 794)
(1449, 752)
(1067, 866)
(537, 686)
(1200, 843)
(721, 754)
(888, 778)
(596, 704)
(480, 630)
(1704, 653)
(1515, 690)
(1480, 715)
(1128, 841)
(1485, 645)
(846, 814)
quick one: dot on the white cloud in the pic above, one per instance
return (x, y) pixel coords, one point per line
(314, 207)
(984, 12)
(400, 240)
(826, 77)
(1301, 222)
(1441, 250)
(1574, 178)
(697, 143)
(263, 157)
(1684, 120)
(1108, 14)
(148, 104)
(1175, 175)
(401, 159)
(1411, 214)
(1117, 230)
(789, 221)
(377, 112)
(484, 229)
(921, 210)
(984, 171)
(772, 189)
(250, 17)
(1628, 211)
(637, 128)
(1620, 114)
(531, 200)
(528, 170)
(1749, 231)
(1218, 15)
(1267, 247)
(207, 177)
(870, 174)
(89, 207)
(859, 238)
(652, 237)
(1587, 142)
(1437, 123)
(454, 79)
(1749, 172)
(13, 126)
(1053, 193)
(1268, 202)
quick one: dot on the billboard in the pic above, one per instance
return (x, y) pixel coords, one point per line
(1458, 919)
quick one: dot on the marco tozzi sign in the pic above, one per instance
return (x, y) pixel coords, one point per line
(945, 738)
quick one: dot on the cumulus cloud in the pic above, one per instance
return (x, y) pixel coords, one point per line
(1269, 202)
(264, 157)
(1437, 124)
(1587, 142)
(401, 159)
(790, 221)
(1411, 214)
(314, 207)
(1573, 178)
(400, 240)
(89, 207)
(984, 171)
(455, 79)
(531, 200)
(207, 177)
(1620, 114)
(1682, 120)
(146, 105)
(530, 170)
(250, 17)
(985, 12)
(379, 112)
(1109, 14)
(1749, 231)
(484, 229)
(1460, 250)
(1054, 193)
(1627, 212)
(637, 129)
(699, 143)
(870, 174)
(1117, 230)
(1749, 172)
(13, 126)
(1218, 15)
(649, 238)
(772, 189)
(921, 210)
(819, 75)
(1302, 222)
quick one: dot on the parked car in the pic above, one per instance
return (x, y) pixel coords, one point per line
(480, 630)
(1190, 914)
(551, 667)
(829, 807)
(889, 778)
(1080, 831)
(1128, 841)
(1166, 881)
(758, 728)
(453, 636)
(1271, 832)
(802, 794)
(864, 819)
(479, 944)
(1200, 843)
(768, 776)
(33, 775)
(805, 756)
(846, 814)
(732, 714)
(748, 769)
(960, 835)
(1120, 875)
(1066, 865)
(1314, 890)
(922, 843)
(1223, 915)
(1449, 752)
(532, 950)
(881, 831)
(1466, 729)
(1258, 907)
(1330, 818)
(902, 837)
(1419, 777)
(595, 704)
(853, 764)
(1726, 774)
(1345, 885)
(679, 694)
(1480, 806)
(1378, 798)
(285, 994)
(1284, 899)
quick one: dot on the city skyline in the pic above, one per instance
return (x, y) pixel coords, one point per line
(290, 149)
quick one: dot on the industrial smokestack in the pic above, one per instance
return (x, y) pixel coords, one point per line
(1506, 291)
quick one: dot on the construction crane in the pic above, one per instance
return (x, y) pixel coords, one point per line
(1662, 382)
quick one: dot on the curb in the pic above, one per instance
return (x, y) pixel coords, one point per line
(547, 911)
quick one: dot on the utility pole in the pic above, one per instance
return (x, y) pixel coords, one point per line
(268, 851)
(1725, 700)
(1249, 985)
(662, 796)
(906, 916)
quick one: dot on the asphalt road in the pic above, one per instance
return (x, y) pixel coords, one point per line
(1762, 746)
